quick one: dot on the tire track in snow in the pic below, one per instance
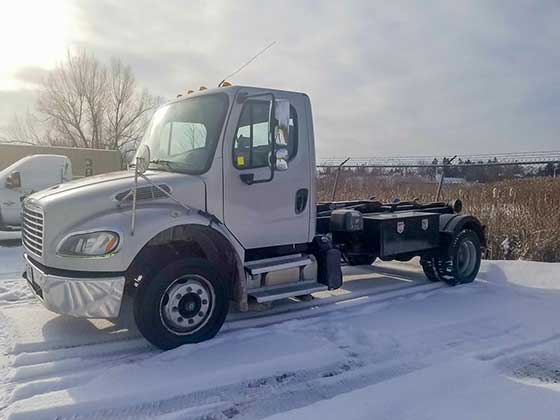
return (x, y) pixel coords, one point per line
(92, 350)
(47, 371)
(31, 369)
(260, 397)
(263, 396)
(507, 351)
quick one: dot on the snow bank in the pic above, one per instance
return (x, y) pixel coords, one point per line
(530, 274)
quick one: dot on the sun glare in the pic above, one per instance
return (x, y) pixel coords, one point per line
(32, 33)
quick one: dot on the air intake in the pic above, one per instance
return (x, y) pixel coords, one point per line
(143, 193)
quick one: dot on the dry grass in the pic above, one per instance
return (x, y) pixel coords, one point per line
(522, 216)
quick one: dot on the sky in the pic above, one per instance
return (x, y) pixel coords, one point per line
(385, 78)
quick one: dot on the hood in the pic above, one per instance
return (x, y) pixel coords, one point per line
(97, 180)
(106, 188)
(68, 206)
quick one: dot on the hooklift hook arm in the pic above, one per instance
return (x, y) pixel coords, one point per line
(336, 179)
(445, 163)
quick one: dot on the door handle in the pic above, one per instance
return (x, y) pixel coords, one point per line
(301, 200)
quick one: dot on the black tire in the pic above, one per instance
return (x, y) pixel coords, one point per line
(359, 259)
(463, 261)
(429, 267)
(201, 293)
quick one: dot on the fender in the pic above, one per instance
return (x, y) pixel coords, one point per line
(451, 224)
(151, 220)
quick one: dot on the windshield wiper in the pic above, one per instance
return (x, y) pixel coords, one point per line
(163, 162)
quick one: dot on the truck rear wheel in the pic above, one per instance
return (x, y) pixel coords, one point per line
(462, 262)
(185, 302)
(429, 266)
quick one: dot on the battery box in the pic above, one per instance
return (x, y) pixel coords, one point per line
(401, 232)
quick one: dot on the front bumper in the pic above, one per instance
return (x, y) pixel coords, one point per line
(76, 296)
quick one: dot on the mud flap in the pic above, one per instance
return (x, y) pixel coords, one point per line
(329, 271)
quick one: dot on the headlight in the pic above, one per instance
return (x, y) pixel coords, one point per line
(91, 244)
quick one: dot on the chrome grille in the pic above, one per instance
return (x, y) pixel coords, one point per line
(32, 229)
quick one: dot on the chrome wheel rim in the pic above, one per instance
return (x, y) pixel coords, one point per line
(187, 304)
(466, 258)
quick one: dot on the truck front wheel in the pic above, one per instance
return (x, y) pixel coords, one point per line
(185, 302)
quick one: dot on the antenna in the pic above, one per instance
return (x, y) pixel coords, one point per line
(247, 63)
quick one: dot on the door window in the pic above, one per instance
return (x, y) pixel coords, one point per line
(251, 148)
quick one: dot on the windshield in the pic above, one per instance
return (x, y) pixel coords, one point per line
(182, 136)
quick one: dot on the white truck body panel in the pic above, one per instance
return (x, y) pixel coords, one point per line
(253, 212)
(37, 172)
(247, 216)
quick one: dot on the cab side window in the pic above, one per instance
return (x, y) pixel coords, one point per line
(251, 148)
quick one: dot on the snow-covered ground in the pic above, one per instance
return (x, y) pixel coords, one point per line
(489, 350)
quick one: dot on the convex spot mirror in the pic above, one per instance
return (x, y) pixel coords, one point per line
(281, 159)
(14, 180)
(142, 158)
(281, 133)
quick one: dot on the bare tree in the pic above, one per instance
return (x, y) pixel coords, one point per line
(27, 129)
(83, 103)
(127, 107)
(194, 136)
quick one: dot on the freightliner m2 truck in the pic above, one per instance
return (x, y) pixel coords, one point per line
(219, 210)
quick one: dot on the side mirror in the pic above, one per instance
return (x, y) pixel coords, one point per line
(14, 180)
(282, 128)
(281, 134)
(142, 158)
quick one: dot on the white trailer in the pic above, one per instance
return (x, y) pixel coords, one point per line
(24, 177)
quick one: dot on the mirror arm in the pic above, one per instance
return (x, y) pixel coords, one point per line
(271, 128)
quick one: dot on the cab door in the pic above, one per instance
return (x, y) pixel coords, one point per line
(269, 213)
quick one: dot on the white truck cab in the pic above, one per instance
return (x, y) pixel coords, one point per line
(220, 207)
(26, 176)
